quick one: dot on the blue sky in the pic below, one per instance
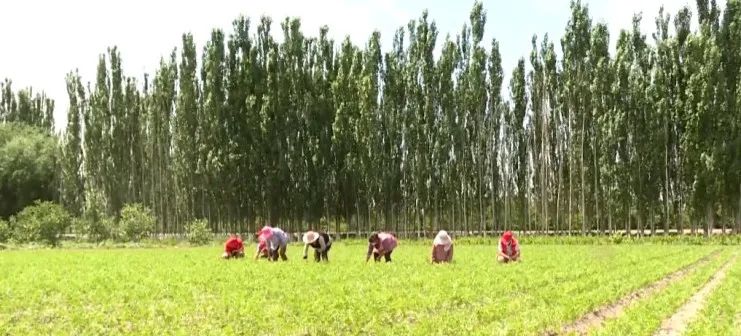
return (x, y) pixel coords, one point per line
(44, 39)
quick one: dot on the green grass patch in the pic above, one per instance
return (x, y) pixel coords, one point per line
(189, 291)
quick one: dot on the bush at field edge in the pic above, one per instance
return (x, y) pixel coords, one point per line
(136, 222)
(41, 222)
(199, 232)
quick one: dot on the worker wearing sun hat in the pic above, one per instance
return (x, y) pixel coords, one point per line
(276, 241)
(508, 249)
(442, 248)
(320, 241)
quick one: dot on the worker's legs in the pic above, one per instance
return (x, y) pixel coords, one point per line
(282, 250)
(387, 256)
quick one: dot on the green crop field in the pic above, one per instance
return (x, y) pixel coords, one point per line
(191, 291)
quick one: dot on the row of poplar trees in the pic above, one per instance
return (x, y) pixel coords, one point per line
(26, 107)
(309, 133)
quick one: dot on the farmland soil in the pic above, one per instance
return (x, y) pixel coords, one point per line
(595, 318)
(677, 324)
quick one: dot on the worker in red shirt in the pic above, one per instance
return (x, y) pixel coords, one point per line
(233, 248)
(508, 249)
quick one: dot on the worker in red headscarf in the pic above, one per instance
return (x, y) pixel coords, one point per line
(263, 246)
(508, 249)
(233, 248)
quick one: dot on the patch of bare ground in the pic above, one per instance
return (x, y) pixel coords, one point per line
(598, 316)
(677, 323)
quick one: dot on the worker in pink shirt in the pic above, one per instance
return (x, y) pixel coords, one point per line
(442, 248)
(276, 241)
(508, 249)
(381, 244)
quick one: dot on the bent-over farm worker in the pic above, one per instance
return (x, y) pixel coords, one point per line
(508, 249)
(262, 246)
(381, 244)
(320, 241)
(233, 248)
(276, 241)
(442, 248)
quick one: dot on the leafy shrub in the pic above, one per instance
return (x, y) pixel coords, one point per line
(136, 222)
(616, 238)
(198, 232)
(5, 231)
(28, 167)
(42, 222)
(96, 229)
(95, 223)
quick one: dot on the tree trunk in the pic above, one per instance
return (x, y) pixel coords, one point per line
(465, 207)
(506, 209)
(609, 213)
(597, 215)
(738, 212)
(709, 218)
(628, 224)
(482, 220)
(493, 204)
(652, 222)
(581, 163)
(571, 179)
(558, 197)
(680, 212)
(667, 210)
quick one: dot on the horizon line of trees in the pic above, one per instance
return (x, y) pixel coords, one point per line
(309, 133)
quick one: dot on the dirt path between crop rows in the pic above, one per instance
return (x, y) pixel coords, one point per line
(612, 310)
(677, 323)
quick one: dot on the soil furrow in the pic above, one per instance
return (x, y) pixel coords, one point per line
(677, 323)
(612, 310)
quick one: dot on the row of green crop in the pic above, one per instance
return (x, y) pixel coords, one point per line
(527, 310)
(722, 312)
(645, 317)
(191, 291)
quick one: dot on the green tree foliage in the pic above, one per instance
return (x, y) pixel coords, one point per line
(6, 232)
(73, 187)
(41, 222)
(28, 167)
(26, 107)
(304, 132)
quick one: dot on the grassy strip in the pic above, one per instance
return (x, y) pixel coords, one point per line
(645, 317)
(722, 313)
